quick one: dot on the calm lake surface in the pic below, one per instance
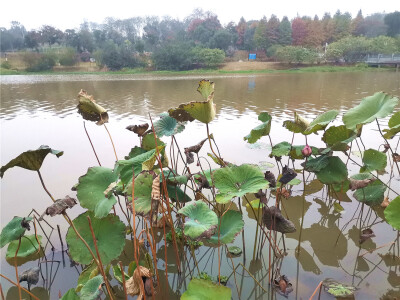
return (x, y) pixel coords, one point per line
(41, 110)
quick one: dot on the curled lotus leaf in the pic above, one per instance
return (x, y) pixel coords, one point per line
(203, 111)
(31, 276)
(321, 121)
(206, 290)
(338, 137)
(143, 188)
(372, 194)
(88, 273)
(60, 206)
(140, 130)
(14, 230)
(167, 126)
(394, 126)
(136, 284)
(90, 110)
(379, 105)
(118, 274)
(316, 164)
(205, 88)
(201, 220)
(299, 125)
(392, 213)
(335, 171)
(261, 130)
(31, 159)
(193, 149)
(176, 194)
(92, 289)
(134, 152)
(70, 295)
(288, 175)
(109, 233)
(237, 181)
(373, 160)
(29, 245)
(174, 179)
(273, 219)
(91, 190)
(230, 225)
(359, 181)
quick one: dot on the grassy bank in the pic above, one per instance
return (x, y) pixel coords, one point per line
(288, 69)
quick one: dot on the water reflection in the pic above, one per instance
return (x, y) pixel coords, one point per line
(39, 110)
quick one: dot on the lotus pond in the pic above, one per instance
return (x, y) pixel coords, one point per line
(264, 187)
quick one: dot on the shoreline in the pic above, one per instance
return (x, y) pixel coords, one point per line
(221, 71)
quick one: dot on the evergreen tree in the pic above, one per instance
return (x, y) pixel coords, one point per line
(285, 32)
(260, 35)
(273, 30)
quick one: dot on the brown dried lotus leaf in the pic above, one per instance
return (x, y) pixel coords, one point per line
(273, 219)
(134, 285)
(195, 148)
(140, 130)
(283, 192)
(396, 157)
(359, 184)
(271, 178)
(59, 206)
(385, 202)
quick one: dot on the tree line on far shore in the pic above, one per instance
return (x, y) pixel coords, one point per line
(200, 41)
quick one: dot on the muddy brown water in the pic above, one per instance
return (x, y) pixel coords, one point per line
(37, 110)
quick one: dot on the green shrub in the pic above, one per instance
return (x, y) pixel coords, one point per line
(37, 62)
(68, 57)
(173, 56)
(297, 54)
(6, 65)
(209, 58)
(117, 57)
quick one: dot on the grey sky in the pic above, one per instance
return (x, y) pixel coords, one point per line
(69, 14)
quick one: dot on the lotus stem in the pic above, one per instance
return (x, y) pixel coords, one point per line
(390, 147)
(84, 126)
(16, 269)
(211, 147)
(1, 293)
(372, 250)
(17, 284)
(255, 238)
(167, 198)
(253, 278)
(100, 265)
(234, 272)
(134, 219)
(153, 252)
(123, 279)
(319, 287)
(115, 152)
(44, 186)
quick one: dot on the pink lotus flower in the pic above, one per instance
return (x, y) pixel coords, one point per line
(307, 151)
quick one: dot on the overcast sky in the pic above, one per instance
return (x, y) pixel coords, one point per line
(69, 14)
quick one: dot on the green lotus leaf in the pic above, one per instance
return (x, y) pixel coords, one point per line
(14, 230)
(143, 187)
(316, 164)
(88, 273)
(201, 222)
(109, 233)
(176, 194)
(29, 245)
(379, 105)
(167, 126)
(234, 250)
(91, 190)
(237, 181)
(392, 213)
(91, 290)
(299, 125)
(140, 162)
(70, 295)
(372, 194)
(294, 181)
(334, 172)
(338, 137)
(261, 130)
(173, 179)
(341, 187)
(373, 160)
(148, 142)
(31, 159)
(118, 274)
(338, 289)
(361, 176)
(90, 110)
(205, 88)
(281, 149)
(295, 152)
(394, 126)
(256, 204)
(135, 151)
(206, 290)
(230, 225)
(321, 121)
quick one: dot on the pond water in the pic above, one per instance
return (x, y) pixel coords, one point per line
(41, 110)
